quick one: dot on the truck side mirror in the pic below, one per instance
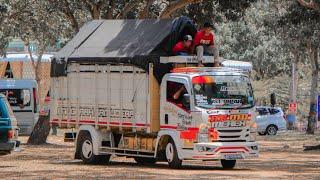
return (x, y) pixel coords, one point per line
(186, 101)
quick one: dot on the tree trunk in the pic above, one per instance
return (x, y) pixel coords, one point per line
(293, 93)
(95, 12)
(145, 11)
(313, 94)
(174, 6)
(40, 131)
(70, 15)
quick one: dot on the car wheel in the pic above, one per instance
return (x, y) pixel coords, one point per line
(228, 164)
(271, 130)
(86, 151)
(261, 134)
(144, 160)
(172, 155)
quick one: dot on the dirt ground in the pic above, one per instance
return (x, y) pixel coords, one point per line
(282, 157)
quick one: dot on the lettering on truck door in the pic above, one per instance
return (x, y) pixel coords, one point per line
(177, 109)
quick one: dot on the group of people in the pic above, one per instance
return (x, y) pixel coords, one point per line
(203, 43)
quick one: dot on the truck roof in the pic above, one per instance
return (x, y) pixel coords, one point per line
(132, 41)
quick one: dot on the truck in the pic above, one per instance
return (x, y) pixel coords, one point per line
(120, 108)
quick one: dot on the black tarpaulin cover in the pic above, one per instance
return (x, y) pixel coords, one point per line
(136, 42)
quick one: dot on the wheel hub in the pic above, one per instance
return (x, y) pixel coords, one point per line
(169, 152)
(87, 149)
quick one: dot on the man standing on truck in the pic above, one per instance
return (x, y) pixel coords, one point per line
(204, 42)
(183, 48)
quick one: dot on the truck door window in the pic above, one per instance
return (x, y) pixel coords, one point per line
(175, 94)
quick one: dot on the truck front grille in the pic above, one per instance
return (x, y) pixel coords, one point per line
(236, 134)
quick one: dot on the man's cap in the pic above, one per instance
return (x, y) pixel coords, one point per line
(207, 24)
(187, 38)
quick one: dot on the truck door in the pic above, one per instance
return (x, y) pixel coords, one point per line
(176, 106)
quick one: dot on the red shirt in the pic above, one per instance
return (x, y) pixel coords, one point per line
(201, 38)
(179, 47)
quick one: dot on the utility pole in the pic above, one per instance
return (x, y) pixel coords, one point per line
(293, 93)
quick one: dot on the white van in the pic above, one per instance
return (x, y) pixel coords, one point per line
(23, 98)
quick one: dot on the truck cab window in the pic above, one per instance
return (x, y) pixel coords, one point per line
(178, 95)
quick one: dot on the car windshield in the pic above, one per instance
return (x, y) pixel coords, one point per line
(225, 92)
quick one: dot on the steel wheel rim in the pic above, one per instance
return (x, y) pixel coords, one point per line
(169, 152)
(87, 149)
(271, 130)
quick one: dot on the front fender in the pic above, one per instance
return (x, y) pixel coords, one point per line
(96, 136)
(175, 135)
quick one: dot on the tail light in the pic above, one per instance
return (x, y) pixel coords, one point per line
(10, 134)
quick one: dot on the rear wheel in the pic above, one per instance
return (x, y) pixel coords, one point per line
(144, 160)
(172, 155)
(228, 164)
(86, 151)
(271, 130)
(261, 134)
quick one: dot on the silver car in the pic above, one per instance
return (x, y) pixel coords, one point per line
(270, 120)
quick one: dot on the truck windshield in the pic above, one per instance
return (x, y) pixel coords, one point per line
(222, 92)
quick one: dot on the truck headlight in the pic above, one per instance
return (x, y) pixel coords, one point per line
(203, 135)
(253, 131)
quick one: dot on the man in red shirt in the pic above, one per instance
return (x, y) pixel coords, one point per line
(204, 42)
(183, 48)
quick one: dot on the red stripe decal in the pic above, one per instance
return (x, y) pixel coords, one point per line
(228, 148)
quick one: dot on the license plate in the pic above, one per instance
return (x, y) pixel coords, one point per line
(233, 156)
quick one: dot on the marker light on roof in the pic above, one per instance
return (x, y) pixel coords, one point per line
(185, 70)
(202, 80)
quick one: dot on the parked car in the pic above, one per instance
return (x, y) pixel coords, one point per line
(8, 127)
(270, 120)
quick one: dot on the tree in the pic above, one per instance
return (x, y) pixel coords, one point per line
(311, 4)
(35, 21)
(304, 19)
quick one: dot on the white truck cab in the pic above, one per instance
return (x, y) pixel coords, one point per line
(213, 117)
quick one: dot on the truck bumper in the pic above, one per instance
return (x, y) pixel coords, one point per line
(222, 150)
(9, 146)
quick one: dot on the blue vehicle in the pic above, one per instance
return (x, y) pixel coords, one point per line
(8, 127)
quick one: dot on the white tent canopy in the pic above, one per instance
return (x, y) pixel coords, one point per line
(25, 57)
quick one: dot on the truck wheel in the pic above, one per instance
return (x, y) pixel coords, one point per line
(172, 155)
(86, 151)
(144, 160)
(228, 164)
(271, 130)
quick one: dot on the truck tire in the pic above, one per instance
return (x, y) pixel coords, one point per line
(271, 130)
(86, 150)
(145, 160)
(172, 155)
(228, 164)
